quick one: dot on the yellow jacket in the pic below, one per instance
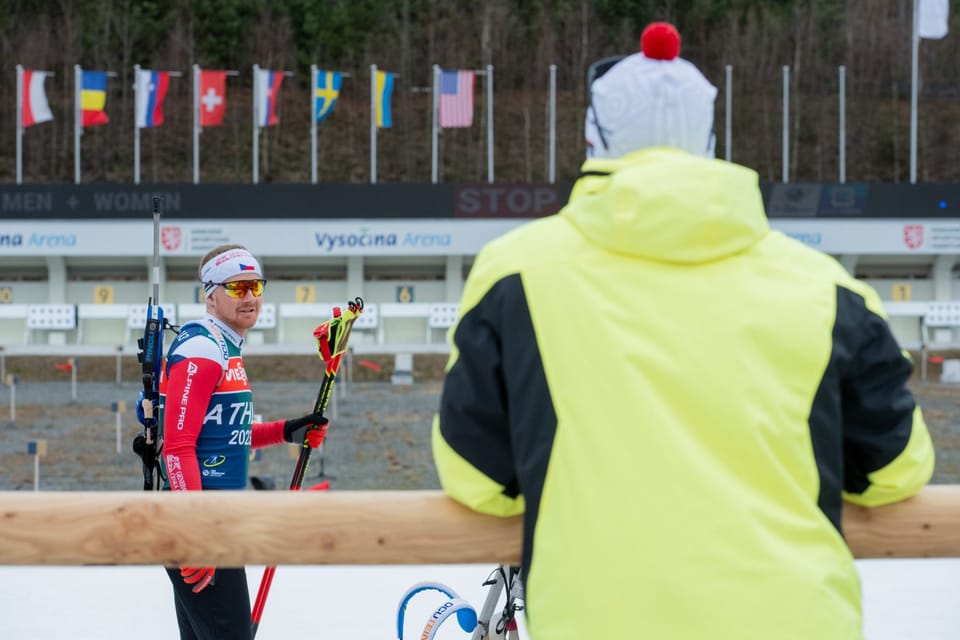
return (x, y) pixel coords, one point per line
(677, 398)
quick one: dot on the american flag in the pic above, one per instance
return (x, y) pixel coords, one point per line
(456, 98)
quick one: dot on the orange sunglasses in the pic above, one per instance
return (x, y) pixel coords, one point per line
(239, 288)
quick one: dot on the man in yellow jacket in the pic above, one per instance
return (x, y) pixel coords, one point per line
(675, 397)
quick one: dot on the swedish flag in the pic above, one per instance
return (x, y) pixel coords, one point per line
(327, 92)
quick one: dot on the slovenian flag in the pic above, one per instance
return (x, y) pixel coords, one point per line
(268, 91)
(151, 90)
(35, 108)
(93, 98)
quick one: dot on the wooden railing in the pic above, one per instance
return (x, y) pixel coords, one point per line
(352, 527)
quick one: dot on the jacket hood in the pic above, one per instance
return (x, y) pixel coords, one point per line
(667, 205)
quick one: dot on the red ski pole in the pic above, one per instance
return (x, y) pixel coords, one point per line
(332, 337)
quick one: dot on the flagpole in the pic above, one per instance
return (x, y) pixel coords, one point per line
(136, 125)
(373, 124)
(842, 90)
(435, 132)
(313, 123)
(552, 169)
(728, 116)
(490, 123)
(19, 124)
(256, 125)
(196, 123)
(786, 124)
(77, 121)
(914, 73)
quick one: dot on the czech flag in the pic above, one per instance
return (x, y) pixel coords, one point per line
(268, 91)
(35, 108)
(151, 90)
(93, 98)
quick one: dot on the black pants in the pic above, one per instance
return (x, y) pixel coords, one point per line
(219, 612)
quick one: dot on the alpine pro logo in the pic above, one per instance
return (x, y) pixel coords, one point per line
(913, 235)
(192, 368)
(214, 461)
(171, 238)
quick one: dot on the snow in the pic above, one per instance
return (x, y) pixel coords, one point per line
(902, 599)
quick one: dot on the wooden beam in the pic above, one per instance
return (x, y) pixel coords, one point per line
(925, 526)
(354, 527)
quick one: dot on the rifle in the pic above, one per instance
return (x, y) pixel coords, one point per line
(147, 443)
(332, 337)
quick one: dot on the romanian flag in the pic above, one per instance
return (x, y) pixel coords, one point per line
(384, 88)
(93, 98)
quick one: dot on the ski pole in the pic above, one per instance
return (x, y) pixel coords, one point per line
(332, 337)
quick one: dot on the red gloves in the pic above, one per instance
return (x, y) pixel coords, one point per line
(201, 577)
(312, 428)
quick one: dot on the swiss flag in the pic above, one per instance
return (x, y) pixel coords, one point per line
(213, 97)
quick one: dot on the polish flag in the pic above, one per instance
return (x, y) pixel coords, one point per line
(36, 109)
(213, 97)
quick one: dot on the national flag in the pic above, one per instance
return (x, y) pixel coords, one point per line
(151, 90)
(932, 18)
(456, 98)
(327, 91)
(35, 108)
(268, 91)
(213, 97)
(384, 86)
(93, 98)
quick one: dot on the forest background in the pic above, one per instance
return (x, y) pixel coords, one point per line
(521, 38)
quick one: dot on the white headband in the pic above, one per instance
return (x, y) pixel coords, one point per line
(226, 265)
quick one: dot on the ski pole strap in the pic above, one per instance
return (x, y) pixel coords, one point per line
(332, 335)
(453, 604)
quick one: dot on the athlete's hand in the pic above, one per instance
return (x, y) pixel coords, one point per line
(312, 428)
(200, 577)
(140, 417)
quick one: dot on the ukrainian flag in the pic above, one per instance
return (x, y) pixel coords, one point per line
(327, 90)
(384, 86)
(93, 98)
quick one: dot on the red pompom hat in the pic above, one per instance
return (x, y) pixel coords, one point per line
(660, 41)
(651, 99)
